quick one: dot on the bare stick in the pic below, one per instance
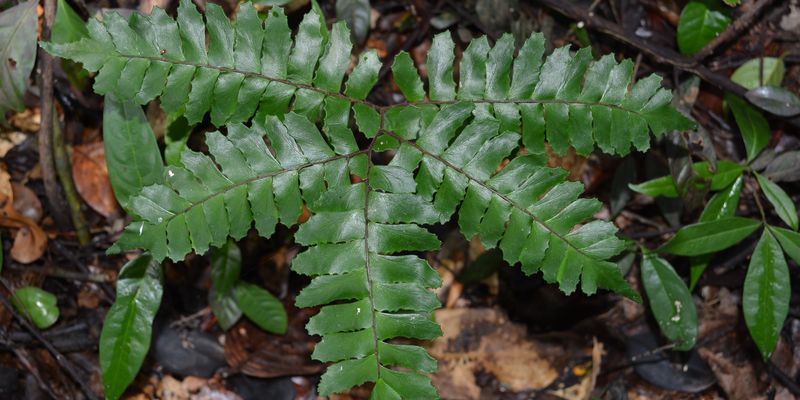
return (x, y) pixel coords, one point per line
(51, 188)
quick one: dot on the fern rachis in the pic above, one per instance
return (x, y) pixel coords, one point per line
(448, 142)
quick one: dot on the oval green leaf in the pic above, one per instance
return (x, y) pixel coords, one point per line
(670, 302)
(775, 100)
(748, 73)
(37, 305)
(261, 307)
(710, 237)
(132, 154)
(765, 297)
(698, 25)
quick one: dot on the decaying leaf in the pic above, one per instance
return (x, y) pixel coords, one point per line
(30, 240)
(484, 340)
(91, 178)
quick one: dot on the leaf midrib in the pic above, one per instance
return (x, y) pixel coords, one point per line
(374, 106)
(494, 191)
(257, 178)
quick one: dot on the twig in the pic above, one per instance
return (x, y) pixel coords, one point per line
(734, 30)
(45, 138)
(64, 171)
(57, 272)
(60, 359)
(660, 54)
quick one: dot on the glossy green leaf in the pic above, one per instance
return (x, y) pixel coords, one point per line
(125, 338)
(766, 293)
(670, 301)
(18, 32)
(709, 237)
(698, 25)
(722, 205)
(36, 304)
(261, 307)
(784, 206)
(725, 174)
(789, 240)
(752, 125)
(132, 155)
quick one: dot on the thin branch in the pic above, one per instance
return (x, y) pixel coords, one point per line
(45, 138)
(64, 171)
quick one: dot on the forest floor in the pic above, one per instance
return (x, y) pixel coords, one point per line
(506, 336)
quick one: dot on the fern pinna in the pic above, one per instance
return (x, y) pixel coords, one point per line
(476, 148)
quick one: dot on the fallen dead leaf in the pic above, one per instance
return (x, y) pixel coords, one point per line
(26, 203)
(28, 120)
(9, 140)
(483, 340)
(30, 240)
(91, 178)
(6, 190)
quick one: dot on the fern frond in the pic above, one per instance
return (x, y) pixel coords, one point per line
(530, 211)
(475, 147)
(353, 237)
(200, 205)
(568, 99)
(248, 64)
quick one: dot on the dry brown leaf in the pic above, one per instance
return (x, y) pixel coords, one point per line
(484, 340)
(26, 203)
(10, 139)
(6, 191)
(29, 244)
(28, 120)
(30, 240)
(90, 174)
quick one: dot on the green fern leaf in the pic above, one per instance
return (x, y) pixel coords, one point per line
(472, 145)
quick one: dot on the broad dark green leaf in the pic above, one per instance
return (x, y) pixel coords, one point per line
(766, 293)
(710, 237)
(698, 25)
(18, 32)
(261, 307)
(125, 338)
(38, 305)
(132, 154)
(670, 301)
(784, 206)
